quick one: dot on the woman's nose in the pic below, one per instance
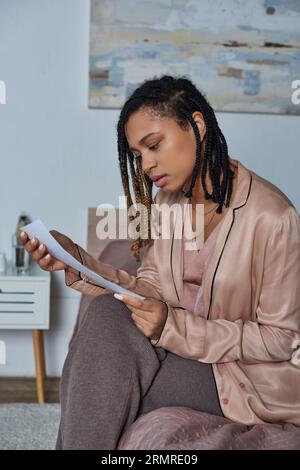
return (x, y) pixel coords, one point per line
(147, 165)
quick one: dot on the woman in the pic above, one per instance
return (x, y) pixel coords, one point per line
(219, 327)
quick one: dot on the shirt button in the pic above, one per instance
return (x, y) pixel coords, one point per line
(242, 385)
(225, 401)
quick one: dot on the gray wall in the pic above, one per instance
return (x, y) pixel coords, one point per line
(58, 157)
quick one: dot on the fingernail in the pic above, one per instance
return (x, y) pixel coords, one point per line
(32, 241)
(47, 256)
(22, 234)
(41, 247)
(118, 296)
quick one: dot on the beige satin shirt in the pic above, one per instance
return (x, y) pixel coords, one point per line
(250, 331)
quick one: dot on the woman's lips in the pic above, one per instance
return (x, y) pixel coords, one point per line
(160, 181)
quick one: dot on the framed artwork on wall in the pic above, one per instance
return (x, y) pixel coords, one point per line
(244, 55)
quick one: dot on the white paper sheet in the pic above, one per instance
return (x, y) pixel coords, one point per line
(38, 230)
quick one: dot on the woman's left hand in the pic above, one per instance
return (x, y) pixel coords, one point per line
(149, 315)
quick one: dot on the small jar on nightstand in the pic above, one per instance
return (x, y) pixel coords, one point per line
(20, 256)
(3, 263)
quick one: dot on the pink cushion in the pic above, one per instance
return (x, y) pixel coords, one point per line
(182, 428)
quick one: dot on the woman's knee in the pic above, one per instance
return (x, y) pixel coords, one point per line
(106, 314)
(106, 306)
(106, 321)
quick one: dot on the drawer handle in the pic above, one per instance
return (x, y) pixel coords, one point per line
(14, 292)
(17, 311)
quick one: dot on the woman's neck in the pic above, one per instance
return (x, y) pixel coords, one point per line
(198, 196)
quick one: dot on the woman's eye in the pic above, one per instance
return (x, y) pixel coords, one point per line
(154, 147)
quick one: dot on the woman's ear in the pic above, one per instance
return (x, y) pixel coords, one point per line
(198, 118)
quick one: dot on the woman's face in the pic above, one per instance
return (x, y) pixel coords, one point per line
(169, 152)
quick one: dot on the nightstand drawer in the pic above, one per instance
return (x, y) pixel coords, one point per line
(24, 304)
(15, 298)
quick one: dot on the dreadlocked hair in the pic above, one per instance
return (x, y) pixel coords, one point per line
(176, 98)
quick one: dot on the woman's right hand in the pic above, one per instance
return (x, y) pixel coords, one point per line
(42, 257)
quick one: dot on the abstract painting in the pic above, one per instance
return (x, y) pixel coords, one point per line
(243, 55)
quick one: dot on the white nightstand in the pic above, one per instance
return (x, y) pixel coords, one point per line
(25, 305)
